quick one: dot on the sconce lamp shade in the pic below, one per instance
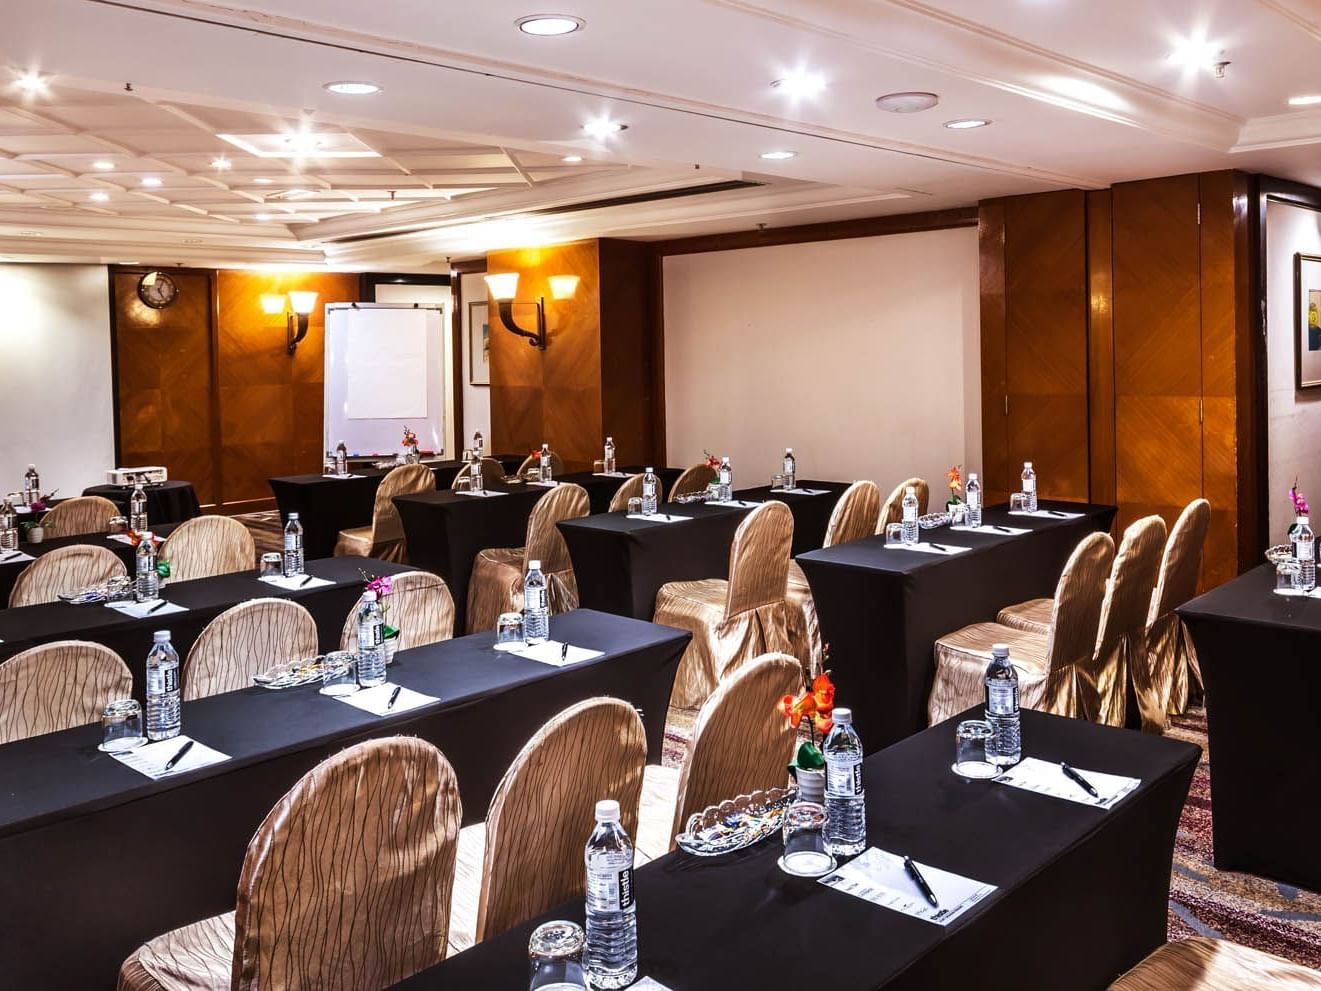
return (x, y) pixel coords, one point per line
(563, 286)
(272, 303)
(503, 286)
(302, 303)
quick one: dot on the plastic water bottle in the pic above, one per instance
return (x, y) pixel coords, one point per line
(31, 485)
(910, 515)
(293, 547)
(147, 587)
(726, 477)
(609, 459)
(790, 469)
(341, 459)
(163, 719)
(1029, 488)
(137, 508)
(475, 481)
(611, 955)
(536, 605)
(8, 527)
(478, 444)
(371, 642)
(846, 801)
(1002, 709)
(974, 493)
(650, 492)
(546, 466)
(1305, 545)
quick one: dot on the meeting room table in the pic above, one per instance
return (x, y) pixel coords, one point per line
(12, 563)
(1080, 893)
(1260, 658)
(167, 502)
(881, 609)
(98, 858)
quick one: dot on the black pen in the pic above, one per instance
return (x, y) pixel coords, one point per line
(920, 881)
(11, 554)
(304, 581)
(940, 547)
(1002, 529)
(1057, 512)
(169, 764)
(160, 605)
(1079, 780)
(394, 697)
(564, 652)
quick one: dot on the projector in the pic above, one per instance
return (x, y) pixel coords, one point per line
(151, 475)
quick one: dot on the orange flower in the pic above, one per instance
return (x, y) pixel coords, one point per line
(955, 476)
(823, 692)
(795, 709)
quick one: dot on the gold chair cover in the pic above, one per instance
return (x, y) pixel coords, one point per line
(62, 570)
(1032, 616)
(1054, 670)
(384, 538)
(83, 514)
(207, 546)
(59, 685)
(736, 620)
(345, 886)
(1163, 688)
(492, 472)
(419, 606)
(556, 464)
(496, 585)
(892, 510)
(1202, 964)
(630, 489)
(694, 479)
(245, 640)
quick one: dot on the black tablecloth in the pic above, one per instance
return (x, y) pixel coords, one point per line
(1082, 893)
(9, 571)
(1260, 655)
(168, 502)
(97, 859)
(205, 599)
(327, 505)
(881, 610)
(811, 512)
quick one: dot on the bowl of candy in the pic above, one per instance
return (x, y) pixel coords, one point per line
(735, 823)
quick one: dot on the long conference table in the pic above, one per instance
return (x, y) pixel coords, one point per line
(12, 566)
(96, 858)
(881, 609)
(1081, 894)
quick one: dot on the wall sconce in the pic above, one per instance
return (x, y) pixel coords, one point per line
(301, 305)
(504, 286)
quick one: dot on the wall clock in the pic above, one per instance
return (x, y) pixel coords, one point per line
(157, 290)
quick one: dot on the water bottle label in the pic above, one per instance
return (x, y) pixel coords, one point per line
(534, 599)
(610, 891)
(1029, 485)
(843, 778)
(1306, 550)
(910, 514)
(1001, 697)
(974, 500)
(162, 680)
(290, 542)
(371, 634)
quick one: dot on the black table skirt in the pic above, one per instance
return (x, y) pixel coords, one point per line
(811, 512)
(205, 599)
(9, 572)
(96, 859)
(1082, 893)
(881, 610)
(1260, 655)
(168, 502)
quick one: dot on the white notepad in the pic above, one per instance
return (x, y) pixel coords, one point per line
(143, 610)
(150, 758)
(121, 538)
(925, 548)
(549, 653)
(801, 491)
(879, 877)
(659, 518)
(1007, 531)
(1047, 514)
(610, 474)
(15, 557)
(1045, 778)
(376, 698)
(342, 478)
(295, 583)
(545, 485)
(735, 503)
(647, 984)
(484, 494)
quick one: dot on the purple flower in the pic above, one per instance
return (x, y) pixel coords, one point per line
(382, 585)
(1299, 503)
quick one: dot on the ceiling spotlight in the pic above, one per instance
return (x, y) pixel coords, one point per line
(221, 163)
(99, 197)
(102, 165)
(261, 180)
(966, 123)
(550, 25)
(350, 87)
(572, 159)
(603, 128)
(1304, 101)
(799, 84)
(151, 180)
(1198, 53)
(778, 156)
(907, 103)
(30, 82)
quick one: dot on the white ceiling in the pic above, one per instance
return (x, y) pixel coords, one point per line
(476, 117)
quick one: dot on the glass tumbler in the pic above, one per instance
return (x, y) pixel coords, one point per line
(121, 721)
(1288, 577)
(509, 631)
(339, 674)
(118, 524)
(805, 853)
(894, 534)
(272, 564)
(1016, 502)
(972, 746)
(555, 953)
(777, 482)
(635, 505)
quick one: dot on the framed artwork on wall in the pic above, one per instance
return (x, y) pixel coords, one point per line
(479, 343)
(1307, 321)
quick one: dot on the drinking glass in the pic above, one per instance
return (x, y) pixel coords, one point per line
(894, 534)
(972, 741)
(777, 482)
(509, 631)
(339, 675)
(805, 853)
(120, 588)
(118, 524)
(272, 564)
(635, 505)
(121, 720)
(555, 953)
(1016, 502)
(1288, 576)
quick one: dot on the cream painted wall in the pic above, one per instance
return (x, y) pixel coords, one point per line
(1294, 416)
(56, 405)
(476, 398)
(862, 354)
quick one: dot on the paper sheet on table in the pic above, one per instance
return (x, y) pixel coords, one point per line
(295, 583)
(150, 758)
(143, 610)
(925, 548)
(549, 653)
(610, 474)
(545, 485)
(1045, 778)
(15, 557)
(376, 698)
(659, 517)
(1047, 514)
(801, 491)
(343, 478)
(735, 503)
(1004, 531)
(22, 510)
(484, 494)
(879, 877)
(647, 984)
(121, 538)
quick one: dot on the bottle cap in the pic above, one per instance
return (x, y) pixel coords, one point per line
(147, 539)
(293, 516)
(999, 650)
(910, 490)
(161, 636)
(788, 450)
(609, 440)
(368, 596)
(1302, 519)
(1027, 464)
(607, 810)
(650, 471)
(972, 476)
(841, 716)
(534, 565)
(32, 467)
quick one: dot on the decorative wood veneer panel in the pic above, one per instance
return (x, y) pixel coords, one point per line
(996, 475)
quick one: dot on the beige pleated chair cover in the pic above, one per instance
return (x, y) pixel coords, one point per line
(1171, 657)
(736, 620)
(496, 585)
(892, 510)
(630, 489)
(694, 479)
(84, 514)
(492, 472)
(533, 461)
(345, 886)
(853, 518)
(419, 606)
(245, 640)
(207, 546)
(1203, 964)
(58, 685)
(61, 570)
(1055, 669)
(384, 538)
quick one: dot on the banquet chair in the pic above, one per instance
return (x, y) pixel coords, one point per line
(740, 744)
(58, 685)
(556, 464)
(736, 620)
(1054, 669)
(492, 472)
(209, 545)
(1202, 964)
(345, 886)
(83, 514)
(528, 855)
(630, 488)
(853, 518)
(63, 569)
(384, 537)
(244, 640)
(496, 585)
(694, 479)
(419, 606)
(892, 510)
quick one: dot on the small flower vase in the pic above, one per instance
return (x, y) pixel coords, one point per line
(811, 784)
(391, 645)
(957, 511)
(36, 534)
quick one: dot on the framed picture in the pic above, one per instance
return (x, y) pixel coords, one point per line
(1307, 322)
(479, 343)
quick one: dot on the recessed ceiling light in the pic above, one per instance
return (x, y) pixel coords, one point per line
(603, 128)
(303, 143)
(778, 156)
(351, 87)
(907, 103)
(221, 163)
(572, 159)
(263, 217)
(151, 180)
(800, 83)
(103, 165)
(1304, 101)
(30, 82)
(550, 25)
(261, 180)
(966, 123)
(1197, 53)
(99, 197)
